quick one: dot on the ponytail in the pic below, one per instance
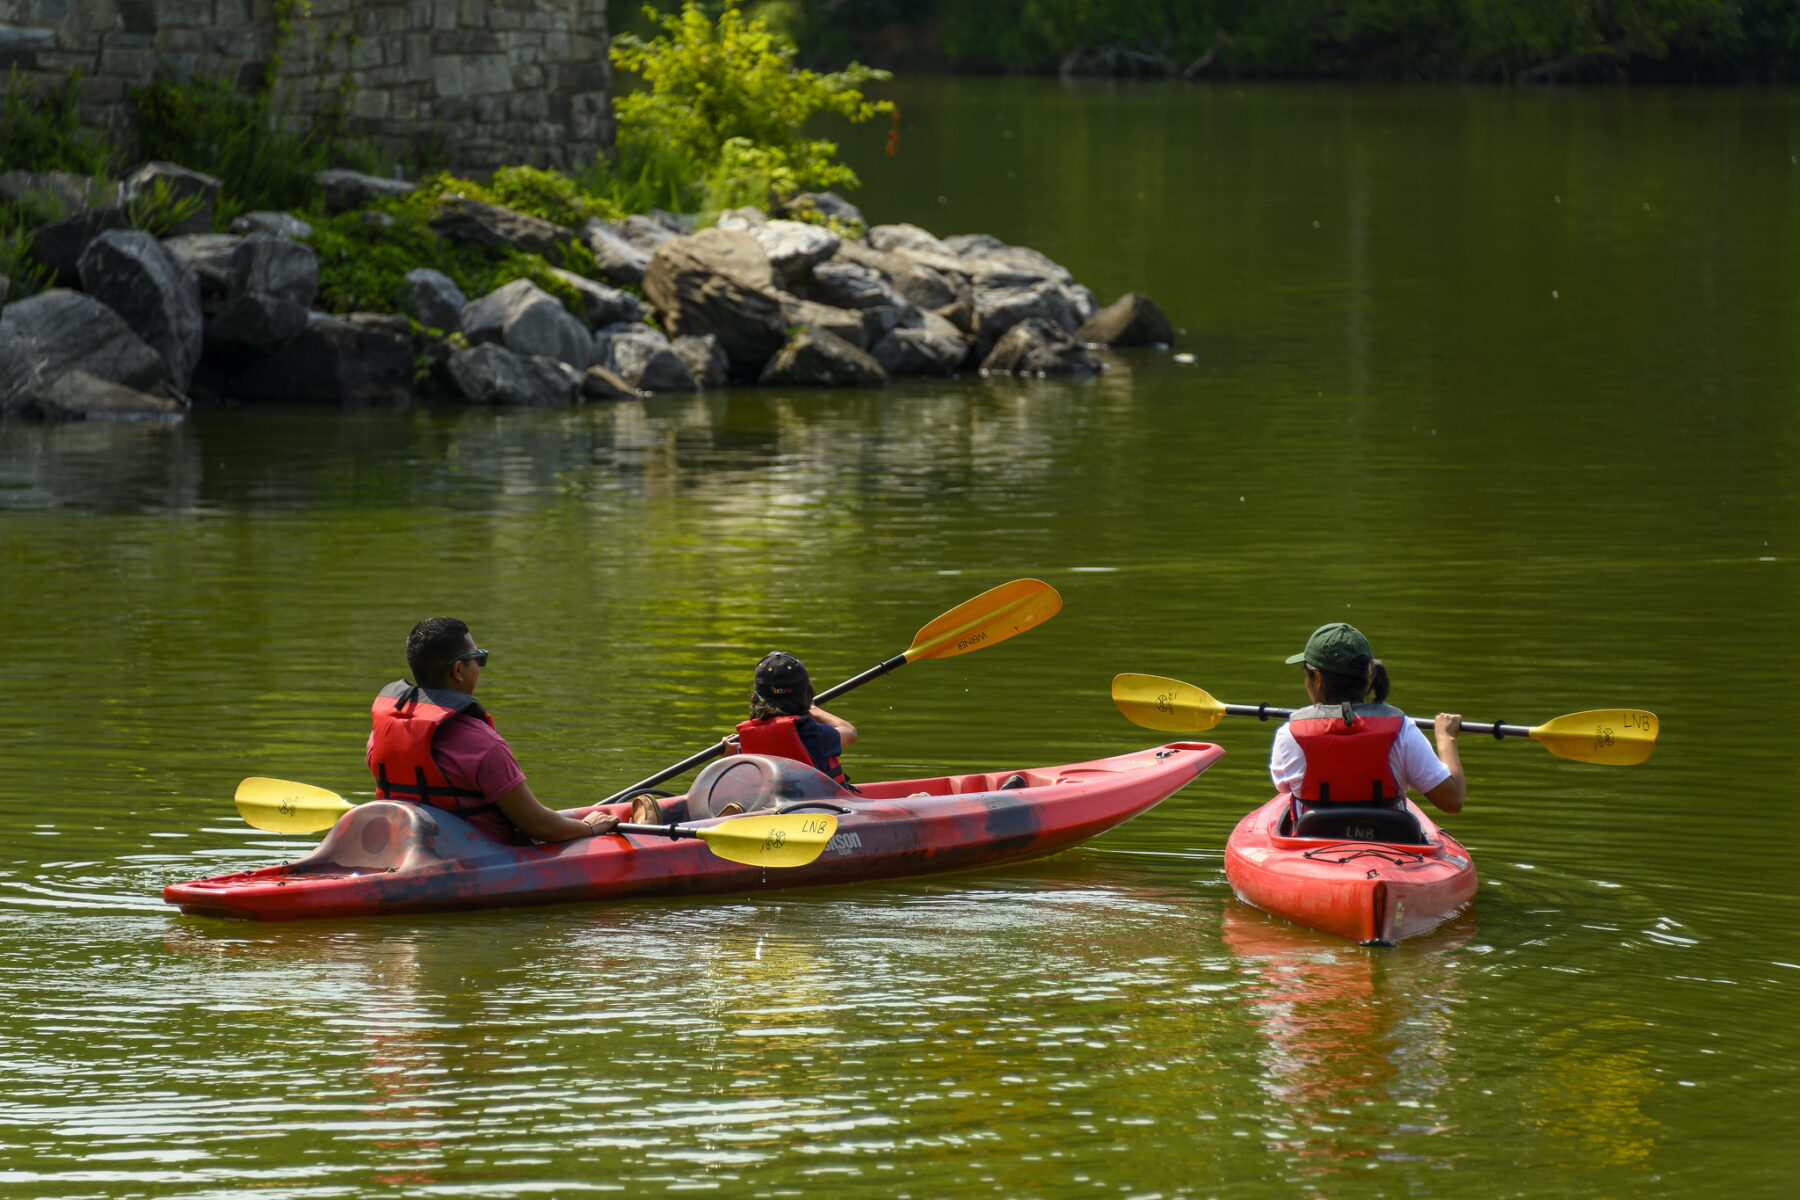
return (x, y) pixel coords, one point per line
(1339, 688)
(1378, 681)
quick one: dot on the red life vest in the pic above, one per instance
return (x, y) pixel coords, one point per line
(777, 736)
(1347, 762)
(407, 720)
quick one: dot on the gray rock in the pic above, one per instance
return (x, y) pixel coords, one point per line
(54, 332)
(933, 347)
(620, 261)
(1003, 301)
(58, 245)
(961, 314)
(273, 282)
(599, 383)
(209, 254)
(907, 237)
(850, 285)
(794, 247)
(526, 319)
(156, 292)
(492, 374)
(817, 359)
(1131, 320)
(705, 359)
(822, 208)
(1036, 346)
(645, 360)
(925, 287)
(646, 233)
(1026, 261)
(177, 183)
(973, 245)
(1083, 297)
(354, 360)
(77, 395)
(845, 323)
(280, 224)
(743, 219)
(434, 299)
(601, 305)
(680, 224)
(719, 282)
(345, 190)
(473, 223)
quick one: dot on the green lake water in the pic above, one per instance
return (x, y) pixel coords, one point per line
(1510, 380)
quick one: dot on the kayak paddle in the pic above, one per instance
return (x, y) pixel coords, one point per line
(758, 839)
(1611, 736)
(975, 624)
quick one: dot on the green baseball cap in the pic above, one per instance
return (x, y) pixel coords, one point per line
(1335, 647)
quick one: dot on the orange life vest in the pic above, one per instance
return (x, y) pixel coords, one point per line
(778, 736)
(1347, 762)
(407, 719)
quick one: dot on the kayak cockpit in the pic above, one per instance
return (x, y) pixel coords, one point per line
(1357, 823)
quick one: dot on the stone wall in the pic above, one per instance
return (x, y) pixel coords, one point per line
(478, 84)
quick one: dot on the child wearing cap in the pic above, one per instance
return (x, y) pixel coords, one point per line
(784, 721)
(1350, 746)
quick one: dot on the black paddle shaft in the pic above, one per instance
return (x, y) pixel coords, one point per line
(1499, 729)
(713, 751)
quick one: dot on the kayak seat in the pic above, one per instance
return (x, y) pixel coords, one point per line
(386, 835)
(758, 782)
(1358, 823)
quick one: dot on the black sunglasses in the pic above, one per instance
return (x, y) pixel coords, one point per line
(480, 657)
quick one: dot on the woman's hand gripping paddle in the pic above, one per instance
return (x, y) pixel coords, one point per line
(1610, 736)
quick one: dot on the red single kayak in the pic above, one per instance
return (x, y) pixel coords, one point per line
(388, 857)
(1372, 875)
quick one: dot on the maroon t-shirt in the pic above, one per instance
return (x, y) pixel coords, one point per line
(473, 756)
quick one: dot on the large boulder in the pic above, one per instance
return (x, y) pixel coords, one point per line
(794, 248)
(973, 245)
(894, 238)
(43, 337)
(601, 305)
(705, 359)
(1036, 346)
(845, 323)
(59, 244)
(932, 347)
(345, 190)
(434, 300)
(719, 282)
(526, 319)
(474, 223)
(156, 292)
(817, 359)
(175, 183)
(492, 374)
(209, 254)
(1131, 320)
(1003, 299)
(273, 282)
(281, 224)
(829, 209)
(620, 261)
(75, 395)
(643, 358)
(354, 360)
(850, 285)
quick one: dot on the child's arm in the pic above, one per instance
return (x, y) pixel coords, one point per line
(846, 731)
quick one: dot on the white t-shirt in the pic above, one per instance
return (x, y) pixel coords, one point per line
(1414, 763)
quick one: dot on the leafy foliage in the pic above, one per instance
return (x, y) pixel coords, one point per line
(727, 97)
(43, 131)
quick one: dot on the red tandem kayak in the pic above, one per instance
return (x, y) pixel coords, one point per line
(387, 857)
(1372, 875)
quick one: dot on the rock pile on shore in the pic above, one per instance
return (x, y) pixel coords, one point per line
(137, 324)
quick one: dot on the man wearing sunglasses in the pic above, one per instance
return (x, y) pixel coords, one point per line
(432, 744)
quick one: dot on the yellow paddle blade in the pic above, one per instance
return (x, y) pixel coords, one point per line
(283, 806)
(773, 840)
(993, 616)
(1615, 737)
(1166, 704)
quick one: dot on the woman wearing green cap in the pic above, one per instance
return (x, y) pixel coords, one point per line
(1350, 746)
